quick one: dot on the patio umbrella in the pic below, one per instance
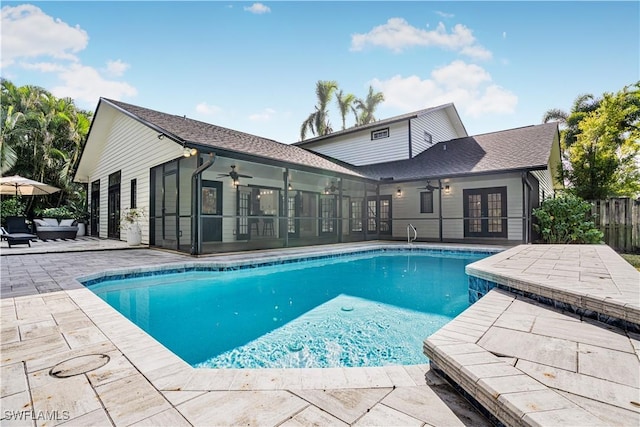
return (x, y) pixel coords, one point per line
(17, 185)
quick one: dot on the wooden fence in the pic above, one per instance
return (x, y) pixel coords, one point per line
(619, 220)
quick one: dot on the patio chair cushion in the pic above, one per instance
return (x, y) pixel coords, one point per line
(17, 224)
(51, 221)
(66, 222)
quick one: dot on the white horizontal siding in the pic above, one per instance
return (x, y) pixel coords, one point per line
(406, 207)
(436, 123)
(133, 149)
(358, 149)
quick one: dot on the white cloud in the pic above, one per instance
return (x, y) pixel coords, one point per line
(116, 68)
(469, 86)
(27, 32)
(258, 9)
(207, 109)
(264, 116)
(397, 34)
(35, 41)
(504, 34)
(85, 84)
(43, 67)
(444, 14)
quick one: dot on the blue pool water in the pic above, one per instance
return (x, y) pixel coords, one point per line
(362, 310)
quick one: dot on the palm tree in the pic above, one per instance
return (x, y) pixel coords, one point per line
(42, 138)
(582, 106)
(345, 104)
(368, 106)
(318, 121)
(8, 134)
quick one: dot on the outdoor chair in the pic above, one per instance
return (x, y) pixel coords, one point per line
(18, 231)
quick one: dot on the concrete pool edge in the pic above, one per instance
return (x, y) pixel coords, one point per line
(274, 260)
(168, 372)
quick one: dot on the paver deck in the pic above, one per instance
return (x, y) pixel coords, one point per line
(48, 318)
(528, 362)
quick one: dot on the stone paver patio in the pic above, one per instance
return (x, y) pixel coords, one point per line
(525, 362)
(49, 318)
(568, 357)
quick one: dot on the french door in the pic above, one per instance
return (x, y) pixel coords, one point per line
(113, 206)
(485, 212)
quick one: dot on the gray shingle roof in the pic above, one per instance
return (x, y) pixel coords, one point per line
(206, 134)
(515, 149)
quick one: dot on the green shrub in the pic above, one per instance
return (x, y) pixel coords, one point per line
(11, 206)
(62, 212)
(566, 219)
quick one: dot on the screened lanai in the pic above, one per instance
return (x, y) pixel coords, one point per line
(199, 206)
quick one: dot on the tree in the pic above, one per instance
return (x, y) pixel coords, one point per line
(9, 131)
(346, 104)
(42, 138)
(318, 121)
(367, 107)
(582, 105)
(605, 158)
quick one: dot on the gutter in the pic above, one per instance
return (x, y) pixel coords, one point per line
(196, 176)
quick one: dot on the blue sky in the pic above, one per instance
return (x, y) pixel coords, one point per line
(253, 66)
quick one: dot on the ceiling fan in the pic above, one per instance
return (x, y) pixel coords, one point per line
(429, 187)
(234, 175)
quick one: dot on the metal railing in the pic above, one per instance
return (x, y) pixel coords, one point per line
(415, 233)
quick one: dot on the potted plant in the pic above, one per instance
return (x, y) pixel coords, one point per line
(79, 206)
(130, 221)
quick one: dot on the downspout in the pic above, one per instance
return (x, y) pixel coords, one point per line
(440, 209)
(526, 204)
(339, 210)
(196, 244)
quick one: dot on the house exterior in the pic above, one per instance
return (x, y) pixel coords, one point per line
(206, 188)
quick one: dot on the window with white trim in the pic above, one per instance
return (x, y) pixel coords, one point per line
(380, 134)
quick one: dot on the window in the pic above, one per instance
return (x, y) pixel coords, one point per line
(380, 133)
(134, 194)
(485, 211)
(426, 202)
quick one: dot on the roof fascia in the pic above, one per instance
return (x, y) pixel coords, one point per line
(153, 126)
(231, 154)
(352, 130)
(463, 175)
(86, 140)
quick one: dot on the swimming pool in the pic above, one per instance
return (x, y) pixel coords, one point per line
(370, 309)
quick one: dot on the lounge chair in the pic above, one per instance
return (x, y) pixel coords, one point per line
(18, 232)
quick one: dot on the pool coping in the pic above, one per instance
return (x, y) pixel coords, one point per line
(609, 294)
(168, 372)
(568, 277)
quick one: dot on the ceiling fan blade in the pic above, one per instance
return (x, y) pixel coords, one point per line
(244, 176)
